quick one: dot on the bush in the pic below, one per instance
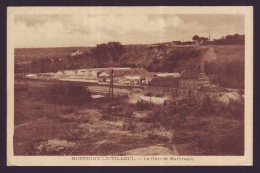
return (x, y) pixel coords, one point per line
(128, 111)
(106, 116)
(152, 117)
(123, 110)
(149, 94)
(183, 107)
(68, 94)
(236, 109)
(130, 127)
(142, 105)
(159, 95)
(152, 136)
(181, 136)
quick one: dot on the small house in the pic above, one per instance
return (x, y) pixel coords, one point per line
(163, 86)
(135, 76)
(190, 81)
(104, 76)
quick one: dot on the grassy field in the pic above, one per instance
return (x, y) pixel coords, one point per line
(114, 127)
(229, 53)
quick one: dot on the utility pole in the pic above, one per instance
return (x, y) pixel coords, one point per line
(24, 77)
(111, 85)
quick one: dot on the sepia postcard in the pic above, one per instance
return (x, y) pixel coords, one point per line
(130, 86)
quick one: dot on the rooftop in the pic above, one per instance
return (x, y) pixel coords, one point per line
(164, 82)
(190, 74)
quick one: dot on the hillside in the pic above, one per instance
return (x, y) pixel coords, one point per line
(145, 56)
(137, 54)
(223, 63)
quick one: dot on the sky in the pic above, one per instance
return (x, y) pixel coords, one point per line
(68, 30)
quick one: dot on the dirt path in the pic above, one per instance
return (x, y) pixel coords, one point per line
(210, 55)
(29, 122)
(76, 146)
(174, 150)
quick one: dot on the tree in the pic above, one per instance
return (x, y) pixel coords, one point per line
(203, 39)
(172, 60)
(236, 36)
(229, 37)
(100, 53)
(199, 39)
(35, 66)
(45, 64)
(105, 52)
(195, 38)
(206, 106)
(115, 50)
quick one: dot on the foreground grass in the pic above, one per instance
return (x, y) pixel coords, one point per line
(112, 126)
(210, 136)
(67, 127)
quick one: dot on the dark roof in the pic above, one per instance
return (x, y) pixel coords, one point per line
(120, 72)
(212, 88)
(190, 74)
(151, 74)
(164, 82)
(117, 72)
(140, 71)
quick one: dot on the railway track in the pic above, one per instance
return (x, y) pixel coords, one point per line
(53, 81)
(98, 88)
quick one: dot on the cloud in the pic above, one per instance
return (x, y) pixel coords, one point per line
(216, 25)
(89, 30)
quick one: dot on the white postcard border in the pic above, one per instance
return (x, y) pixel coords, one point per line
(245, 160)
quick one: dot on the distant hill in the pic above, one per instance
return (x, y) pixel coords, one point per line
(155, 57)
(29, 54)
(136, 54)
